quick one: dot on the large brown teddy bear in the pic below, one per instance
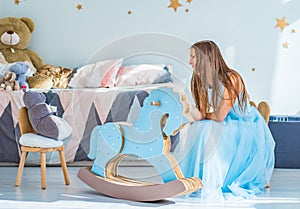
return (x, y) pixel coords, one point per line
(15, 36)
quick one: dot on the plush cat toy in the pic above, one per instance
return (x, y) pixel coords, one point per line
(42, 118)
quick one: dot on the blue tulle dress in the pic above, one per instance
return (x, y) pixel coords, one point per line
(233, 158)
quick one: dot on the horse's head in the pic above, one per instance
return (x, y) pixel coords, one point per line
(169, 106)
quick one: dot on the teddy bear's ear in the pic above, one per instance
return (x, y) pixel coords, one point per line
(29, 23)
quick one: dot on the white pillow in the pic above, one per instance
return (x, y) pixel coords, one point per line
(35, 140)
(143, 74)
(99, 74)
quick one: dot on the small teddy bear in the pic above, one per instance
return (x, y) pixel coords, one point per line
(20, 69)
(42, 118)
(8, 82)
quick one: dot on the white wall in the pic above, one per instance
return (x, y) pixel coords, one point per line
(244, 31)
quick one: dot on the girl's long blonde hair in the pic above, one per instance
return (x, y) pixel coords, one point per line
(209, 60)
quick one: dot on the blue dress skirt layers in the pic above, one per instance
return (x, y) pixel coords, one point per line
(232, 158)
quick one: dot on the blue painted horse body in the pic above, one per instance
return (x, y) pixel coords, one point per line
(161, 116)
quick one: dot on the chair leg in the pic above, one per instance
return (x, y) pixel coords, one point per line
(43, 170)
(64, 166)
(20, 169)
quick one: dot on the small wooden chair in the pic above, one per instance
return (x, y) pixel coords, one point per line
(264, 109)
(29, 143)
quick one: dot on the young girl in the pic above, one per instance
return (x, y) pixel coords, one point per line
(229, 146)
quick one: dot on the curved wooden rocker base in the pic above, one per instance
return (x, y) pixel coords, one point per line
(129, 189)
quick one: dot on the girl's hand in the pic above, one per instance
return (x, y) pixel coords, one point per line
(195, 114)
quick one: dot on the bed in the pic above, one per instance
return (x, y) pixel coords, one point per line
(84, 108)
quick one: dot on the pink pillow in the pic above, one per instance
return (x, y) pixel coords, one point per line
(99, 74)
(143, 74)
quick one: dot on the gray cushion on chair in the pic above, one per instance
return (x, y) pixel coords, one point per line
(35, 140)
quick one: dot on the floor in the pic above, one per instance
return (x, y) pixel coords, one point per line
(284, 192)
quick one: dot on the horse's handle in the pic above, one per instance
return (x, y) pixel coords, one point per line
(155, 103)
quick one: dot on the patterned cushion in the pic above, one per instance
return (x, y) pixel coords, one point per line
(144, 74)
(100, 74)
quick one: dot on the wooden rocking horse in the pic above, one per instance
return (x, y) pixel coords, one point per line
(162, 115)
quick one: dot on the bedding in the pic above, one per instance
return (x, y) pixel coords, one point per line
(100, 92)
(82, 108)
(111, 73)
(95, 75)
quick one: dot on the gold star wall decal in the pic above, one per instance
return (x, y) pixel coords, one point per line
(129, 12)
(281, 23)
(79, 7)
(285, 45)
(17, 2)
(293, 31)
(189, 1)
(174, 4)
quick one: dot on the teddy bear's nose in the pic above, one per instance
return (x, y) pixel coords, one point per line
(10, 32)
